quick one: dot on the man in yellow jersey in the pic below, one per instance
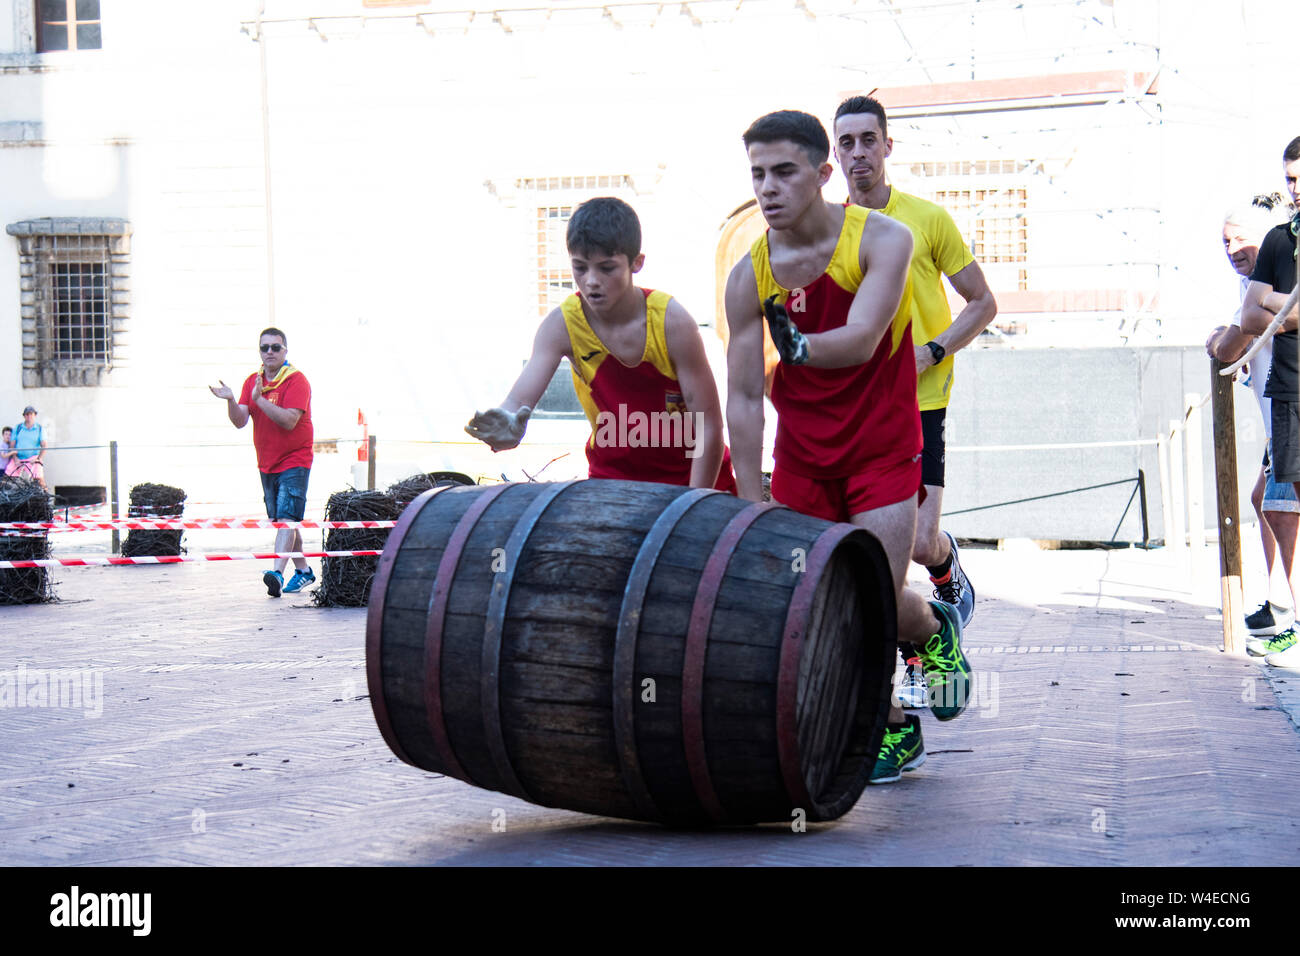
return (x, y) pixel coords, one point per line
(639, 367)
(861, 145)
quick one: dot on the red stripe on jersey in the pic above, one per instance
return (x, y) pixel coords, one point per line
(833, 421)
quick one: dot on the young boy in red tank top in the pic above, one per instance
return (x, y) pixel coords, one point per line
(848, 443)
(638, 362)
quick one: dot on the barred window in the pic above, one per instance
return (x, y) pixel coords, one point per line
(80, 307)
(75, 276)
(993, 220)
(554, 273)
(67, 25)
(571, 183)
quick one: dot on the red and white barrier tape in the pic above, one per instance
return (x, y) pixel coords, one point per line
(163, 524)
(178, 559)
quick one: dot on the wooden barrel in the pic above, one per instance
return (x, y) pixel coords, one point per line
(634, 650)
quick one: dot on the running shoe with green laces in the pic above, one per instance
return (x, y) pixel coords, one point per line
(901, 750)
(1258, 647)
(1289, 658)
(947, 672)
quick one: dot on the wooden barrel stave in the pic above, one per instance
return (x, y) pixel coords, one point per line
(563, 677)
(671, 595)
(556, 656)
(660, 656)
(404, 622)
(462, 631)
(749, 615)
(484, 560)
(546, 642)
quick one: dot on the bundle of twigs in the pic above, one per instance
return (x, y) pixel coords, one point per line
(154, 501)
(408, 489)
(345, 582)
(22, 499)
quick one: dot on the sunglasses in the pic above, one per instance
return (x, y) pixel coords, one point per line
(271, 348)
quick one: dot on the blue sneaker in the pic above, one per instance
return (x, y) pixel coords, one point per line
(957, 590)
(947, 672)
(300, 580)
(274, 581)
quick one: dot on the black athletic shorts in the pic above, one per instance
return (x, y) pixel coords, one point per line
(932, 425)
(1286, 441)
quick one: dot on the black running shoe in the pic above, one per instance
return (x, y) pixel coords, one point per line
(1269, 620)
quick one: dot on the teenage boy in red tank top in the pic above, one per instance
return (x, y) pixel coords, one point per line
(638, 361)
(848, 442)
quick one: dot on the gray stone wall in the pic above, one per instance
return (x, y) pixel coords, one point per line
(1073, 396)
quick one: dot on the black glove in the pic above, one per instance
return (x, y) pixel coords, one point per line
(789, 341)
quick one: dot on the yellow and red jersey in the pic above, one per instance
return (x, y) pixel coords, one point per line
(938, 249)
(637, 412)
(834, 421)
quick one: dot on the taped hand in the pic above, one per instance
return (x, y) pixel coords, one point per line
(789, 341)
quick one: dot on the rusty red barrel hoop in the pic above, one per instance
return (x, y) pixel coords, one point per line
(374, 625)
(696, 644)
(787, 680)
(445, 574)
(494, 626)
(629, 621)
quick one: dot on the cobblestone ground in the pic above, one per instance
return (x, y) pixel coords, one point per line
(235, 730)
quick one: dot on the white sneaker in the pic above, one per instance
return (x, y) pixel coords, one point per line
(1289, 658)
(911, 688)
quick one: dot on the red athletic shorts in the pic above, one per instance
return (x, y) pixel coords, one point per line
(838, 499)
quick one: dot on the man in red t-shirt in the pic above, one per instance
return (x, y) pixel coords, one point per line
(277, 398)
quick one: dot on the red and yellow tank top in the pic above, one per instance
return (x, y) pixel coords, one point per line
(833, 421)
(639, 427)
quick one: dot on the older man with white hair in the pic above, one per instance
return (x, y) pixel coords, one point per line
(1275, 502)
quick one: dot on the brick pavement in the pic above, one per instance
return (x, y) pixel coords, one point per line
(235, 730)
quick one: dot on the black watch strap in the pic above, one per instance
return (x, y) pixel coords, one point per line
(937, 350)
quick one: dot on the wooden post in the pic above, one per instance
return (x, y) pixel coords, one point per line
(1166, 506)
(1225, 480)
(370, 465)
(113, 498)
(1195, 478)
(1176, 536)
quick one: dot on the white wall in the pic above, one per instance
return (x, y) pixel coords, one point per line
(404, 283)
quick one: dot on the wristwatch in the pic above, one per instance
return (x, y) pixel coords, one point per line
(937, 350)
